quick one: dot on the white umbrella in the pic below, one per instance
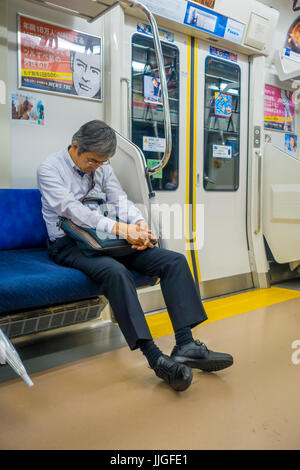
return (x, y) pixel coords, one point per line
(9, 354)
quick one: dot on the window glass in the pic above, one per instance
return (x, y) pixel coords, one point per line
(221, 125)
(147, 112)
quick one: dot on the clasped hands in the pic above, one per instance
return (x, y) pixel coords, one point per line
(138, 235)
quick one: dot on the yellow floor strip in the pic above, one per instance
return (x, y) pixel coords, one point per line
(160, 324)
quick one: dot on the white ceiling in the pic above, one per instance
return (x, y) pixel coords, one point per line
(89, 9)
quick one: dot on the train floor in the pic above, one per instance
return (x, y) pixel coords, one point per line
(92, 392)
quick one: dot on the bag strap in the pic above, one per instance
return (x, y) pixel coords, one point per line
(92, 185)
(84, 199)
(97, 201)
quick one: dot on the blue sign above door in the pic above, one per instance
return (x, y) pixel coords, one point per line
(214, 23)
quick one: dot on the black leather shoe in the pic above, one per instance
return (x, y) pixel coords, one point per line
(178, 376)
(196, 354)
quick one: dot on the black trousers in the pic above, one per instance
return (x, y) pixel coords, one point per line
(177, 284)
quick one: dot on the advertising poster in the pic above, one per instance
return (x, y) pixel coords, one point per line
(59, 60)
(223, 54)
(290, 143)
(152, 90)
(279, 109)
(163, 33)
(223, 104)
(215, 23)
(151, 164)
(206, 3)
(292, 43)
(171, 9)
(28, 108)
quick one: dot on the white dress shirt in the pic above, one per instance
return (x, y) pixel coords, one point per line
(62, 186)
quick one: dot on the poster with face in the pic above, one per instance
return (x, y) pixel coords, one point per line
(290, 142)
(152, 90)
(293, 37)
(59, 60)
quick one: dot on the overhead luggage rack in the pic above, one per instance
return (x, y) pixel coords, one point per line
(90, 10)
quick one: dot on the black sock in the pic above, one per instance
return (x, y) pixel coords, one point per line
(183, 336)
(150, 350)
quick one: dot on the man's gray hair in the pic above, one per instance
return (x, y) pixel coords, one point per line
(97, 137)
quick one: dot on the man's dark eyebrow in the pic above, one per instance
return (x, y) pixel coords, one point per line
(95, 68)
(79, 60)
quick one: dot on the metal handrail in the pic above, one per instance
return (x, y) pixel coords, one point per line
(128, 84)
(258, 229)
(163, 81)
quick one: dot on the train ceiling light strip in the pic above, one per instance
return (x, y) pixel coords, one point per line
(60, 6)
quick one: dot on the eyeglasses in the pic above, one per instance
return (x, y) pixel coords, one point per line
(90, 161)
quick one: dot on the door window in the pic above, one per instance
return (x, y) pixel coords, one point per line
(221, 125)
(147, 111)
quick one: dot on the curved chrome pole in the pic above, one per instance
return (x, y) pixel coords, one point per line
(163, 81)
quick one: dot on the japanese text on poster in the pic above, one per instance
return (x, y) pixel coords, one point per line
(56, 59)
(279, 109)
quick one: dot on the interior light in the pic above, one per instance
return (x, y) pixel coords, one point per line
(138, 66)
(62, 7)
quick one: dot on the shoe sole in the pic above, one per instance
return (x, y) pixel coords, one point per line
(206, 366)
(181, 387)
(177, 384)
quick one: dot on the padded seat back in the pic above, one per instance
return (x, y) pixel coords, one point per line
(22, 224)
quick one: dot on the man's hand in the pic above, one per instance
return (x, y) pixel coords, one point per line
(139, 236)
(144, 228)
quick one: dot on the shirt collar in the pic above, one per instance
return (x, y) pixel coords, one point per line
(69, 160)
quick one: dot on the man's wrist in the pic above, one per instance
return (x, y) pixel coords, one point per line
(115, 229)
(120, 229)
(105, 224)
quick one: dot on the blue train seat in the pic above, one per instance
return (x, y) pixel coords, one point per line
(29, 278)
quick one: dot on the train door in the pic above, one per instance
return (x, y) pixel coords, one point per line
(135, 108)
(147, 125)
(206, 177)
(204, 182)
(220, 93)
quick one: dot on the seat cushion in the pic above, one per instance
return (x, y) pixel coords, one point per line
(30, 279)
(22, 223)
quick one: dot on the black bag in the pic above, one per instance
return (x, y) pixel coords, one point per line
(92, 242)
